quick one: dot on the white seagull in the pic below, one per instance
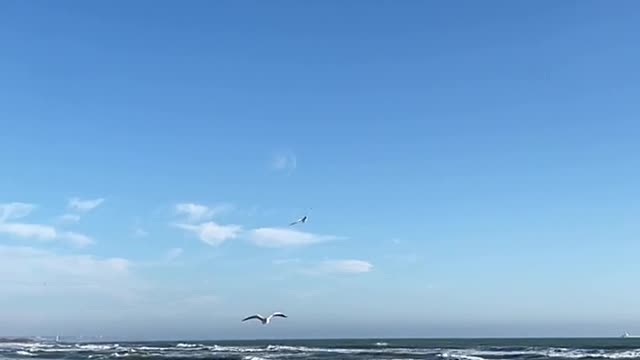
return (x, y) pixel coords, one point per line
(302, 220)
(264, 320)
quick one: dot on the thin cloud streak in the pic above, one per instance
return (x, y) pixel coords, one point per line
(284, 161)
(346, 266)
(80, 205)
(198, 212)
(212, 233)
(15, 210)
(44, 233)
(79, 240)
(24, 230)
(140, 232)
(174, 253)
(283, 237)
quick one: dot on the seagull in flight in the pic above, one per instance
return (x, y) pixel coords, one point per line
(302, 220)
(264, 320)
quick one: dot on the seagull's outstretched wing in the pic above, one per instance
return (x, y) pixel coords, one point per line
(301, 220)
(278, 314)
(256, 316)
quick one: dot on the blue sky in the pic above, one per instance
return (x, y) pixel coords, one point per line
(471, 168)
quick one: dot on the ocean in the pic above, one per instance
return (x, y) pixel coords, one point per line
(433, 349)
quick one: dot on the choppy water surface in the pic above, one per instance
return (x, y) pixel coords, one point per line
(528, 349)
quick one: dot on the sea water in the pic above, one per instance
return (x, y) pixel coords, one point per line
(433, 349)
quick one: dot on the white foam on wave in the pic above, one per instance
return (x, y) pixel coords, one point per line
(234, 349)
(583, 354)
(380, 350)
(460, 356)
(305, 349)
(479, 354)
(25, 353)
(189, 350)
(97, 347)
(461, 353)
(152, 348)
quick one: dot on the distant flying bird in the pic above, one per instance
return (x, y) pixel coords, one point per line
(302, 220)
(264, 320)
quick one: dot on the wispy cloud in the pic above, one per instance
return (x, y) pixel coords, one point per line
(24, 230)
(341, 267)
(15, 210)
(38, 232)
(197, 220)
(174, 253)
(197, 212)
(79, 240)
(212, 233)
(44, 233)
(26, 268)
(68, 218)
(80, 205)
(282, 237)
(284, 161)
(140, 232)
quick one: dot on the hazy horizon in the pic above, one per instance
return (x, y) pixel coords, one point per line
(96, 339)
(451, 332)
